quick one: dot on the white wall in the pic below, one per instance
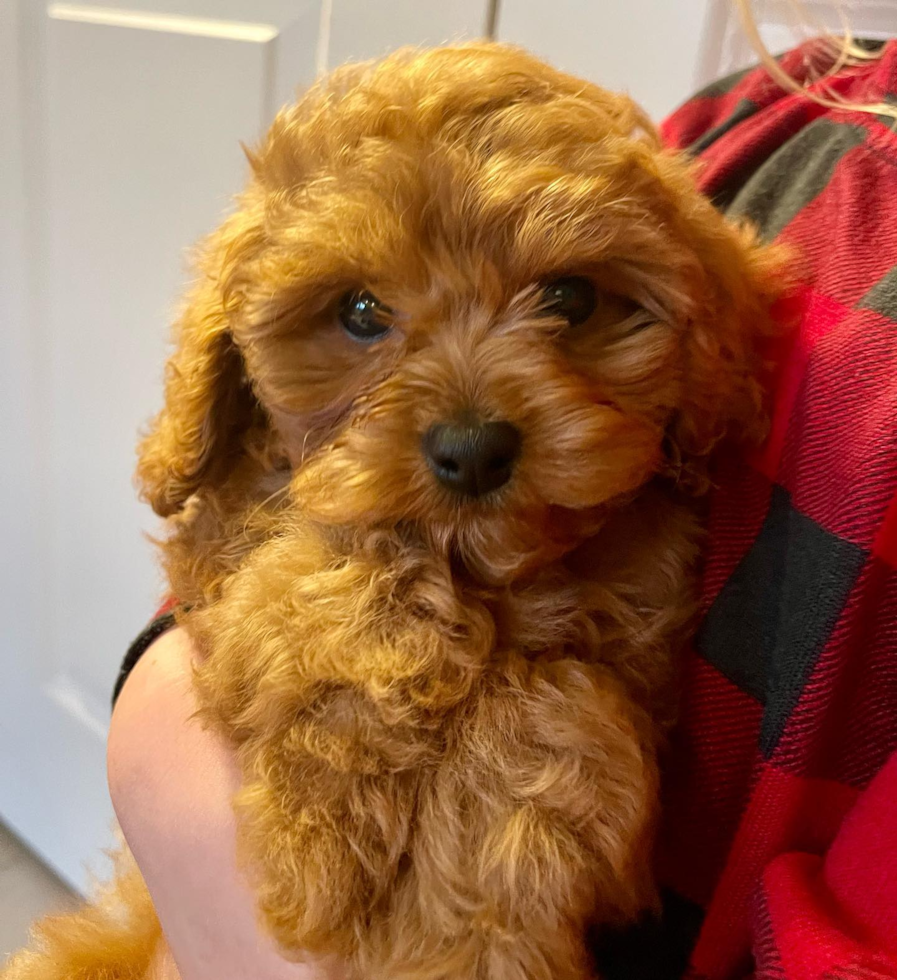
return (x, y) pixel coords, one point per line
(649, 48)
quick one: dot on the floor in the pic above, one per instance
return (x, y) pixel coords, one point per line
(28, 889)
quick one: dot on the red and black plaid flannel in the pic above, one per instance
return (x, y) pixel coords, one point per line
(779, 853)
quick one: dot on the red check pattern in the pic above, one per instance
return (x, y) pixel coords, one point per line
(779, 854)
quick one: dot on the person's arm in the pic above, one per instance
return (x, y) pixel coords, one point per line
(172, 783)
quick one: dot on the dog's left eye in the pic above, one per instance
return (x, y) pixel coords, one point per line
(572, 297)
(364, 317)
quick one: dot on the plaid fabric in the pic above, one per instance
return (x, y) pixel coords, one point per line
(779, 852)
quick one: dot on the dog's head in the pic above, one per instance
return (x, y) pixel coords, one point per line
(468, 293)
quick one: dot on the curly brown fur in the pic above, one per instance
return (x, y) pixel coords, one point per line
(113, 938)
(448, 711)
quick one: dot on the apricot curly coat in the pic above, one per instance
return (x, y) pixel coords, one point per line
(448, 712)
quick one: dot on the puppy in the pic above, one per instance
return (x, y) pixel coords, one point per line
(435, 436)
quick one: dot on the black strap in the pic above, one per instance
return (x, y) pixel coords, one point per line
(158, 626)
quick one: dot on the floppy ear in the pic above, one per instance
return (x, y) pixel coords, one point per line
(209, 404)
(728, 343)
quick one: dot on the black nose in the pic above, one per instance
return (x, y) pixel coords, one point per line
(472, 459)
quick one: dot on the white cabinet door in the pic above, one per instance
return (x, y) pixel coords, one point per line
(121, 130)
(650, 48)
(360, 29)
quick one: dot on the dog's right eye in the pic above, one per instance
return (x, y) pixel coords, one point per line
(364, 317)
(573, 298)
